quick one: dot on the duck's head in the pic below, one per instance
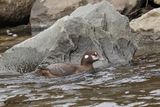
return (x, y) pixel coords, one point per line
(89, 58)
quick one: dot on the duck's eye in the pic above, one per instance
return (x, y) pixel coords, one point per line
(95, 55)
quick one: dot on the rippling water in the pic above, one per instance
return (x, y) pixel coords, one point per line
(136, 85)
(8, 41)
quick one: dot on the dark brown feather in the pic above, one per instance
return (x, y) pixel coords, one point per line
(62, 69)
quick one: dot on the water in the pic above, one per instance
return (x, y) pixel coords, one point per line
(8, 41)
(136, 85)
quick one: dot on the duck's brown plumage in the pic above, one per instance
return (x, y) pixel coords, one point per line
(63, 69)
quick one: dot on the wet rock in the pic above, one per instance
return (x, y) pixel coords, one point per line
(100, 27)
(147, 22)
(14, 13)
(147, 43)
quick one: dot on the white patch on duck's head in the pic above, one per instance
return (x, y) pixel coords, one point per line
(95, 53)
(95, 57)
(86, 56)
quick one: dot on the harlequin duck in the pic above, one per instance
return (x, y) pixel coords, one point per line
(62, 69)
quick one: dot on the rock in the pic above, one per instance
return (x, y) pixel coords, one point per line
(100, 27)
(147, 28)
(147, 43)
(106, 18)
(14, 13)
(147, 22)
(130, 8)
(121, 5)
(44, 13)
(157, 2)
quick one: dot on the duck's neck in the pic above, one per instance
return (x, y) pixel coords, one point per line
(87, 66)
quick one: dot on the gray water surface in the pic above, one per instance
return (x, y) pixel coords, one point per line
(135, 85)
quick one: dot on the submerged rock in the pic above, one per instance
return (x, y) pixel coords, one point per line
(100, 27)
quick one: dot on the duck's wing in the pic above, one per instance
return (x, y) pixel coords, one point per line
(61, 69)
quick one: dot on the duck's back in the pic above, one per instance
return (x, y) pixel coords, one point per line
(61, 69)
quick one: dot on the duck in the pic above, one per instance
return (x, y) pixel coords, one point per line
(64, 69)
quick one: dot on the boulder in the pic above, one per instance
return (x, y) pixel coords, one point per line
(100, 27)
(147, 22)
(45, 13)
(147, 28)
(104, 16)
(14, 13)
(157, 2)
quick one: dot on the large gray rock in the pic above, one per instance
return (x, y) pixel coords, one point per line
(100, 27)
(104, 16)
(15, 12)
(45, 13)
